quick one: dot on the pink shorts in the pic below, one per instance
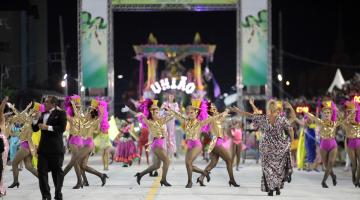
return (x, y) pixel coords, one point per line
(25, 145)
(76, 140)
(157, 143)
(328, 144)
(226, 143)
(193, 143)
(353, 143)
(88, 142)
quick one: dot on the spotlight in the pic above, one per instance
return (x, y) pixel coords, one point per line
(63, 83)
(280, 78)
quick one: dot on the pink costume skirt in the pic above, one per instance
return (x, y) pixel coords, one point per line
(158, 143)
(353, 143)
(76, 140)
(25, 145)
(237, 136)
(126, 151)
(88, 142)
(328, 144)
(193, 143)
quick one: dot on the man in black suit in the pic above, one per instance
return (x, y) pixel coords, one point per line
(51, 149)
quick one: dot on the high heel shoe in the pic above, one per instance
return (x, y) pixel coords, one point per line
(270, 193)
(277, 190)
(164, 182)
(200, 182)
(233, 183)
(103, 179)
(189, 185)
(324, 185)
(138, 178)
(17, 184)
(334, 180)
(289, 177)
(207, 175)
(86, 184)
(78, 186)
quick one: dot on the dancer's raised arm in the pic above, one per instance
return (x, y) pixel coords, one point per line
(292, 112)
(178, 115)
(240, 112)
(314, 118)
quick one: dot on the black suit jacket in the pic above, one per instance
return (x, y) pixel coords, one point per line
(51, 142)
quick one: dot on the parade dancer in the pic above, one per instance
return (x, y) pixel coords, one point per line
(352, 128)
(27, 149)
(4, 154)
(328, 145)
(192, 128)
(102, 140)
(89, 123)
(143, 140)
(218, 147)
(236, 133)
(74, 112)
(274, 147)
(150, 117)
(125, 146)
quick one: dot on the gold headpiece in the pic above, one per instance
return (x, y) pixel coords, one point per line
(154, 104)
(195, 103)
(76, 99)
(38, 107)
(94, 103)
(326, 105)
(350, 105)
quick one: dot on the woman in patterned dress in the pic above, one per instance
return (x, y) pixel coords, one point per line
(274, 146)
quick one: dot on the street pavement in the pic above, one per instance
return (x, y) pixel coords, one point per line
(122, 184)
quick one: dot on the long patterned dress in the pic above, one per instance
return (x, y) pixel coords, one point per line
(274, 151)
(4, 160)
(170, 127)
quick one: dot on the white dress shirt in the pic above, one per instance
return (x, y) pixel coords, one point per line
(45, 119)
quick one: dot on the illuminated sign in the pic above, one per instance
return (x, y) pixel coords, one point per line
(357, 99)
(302, 109)
(164, 84)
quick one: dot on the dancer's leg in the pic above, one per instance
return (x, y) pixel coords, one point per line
(353, 159)
(324, 158)
(358, 166)
(29, 166)
(161, 154)
(19, 156)
(189, 159)
(74, 162)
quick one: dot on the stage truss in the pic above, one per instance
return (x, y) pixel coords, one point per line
(111, 8)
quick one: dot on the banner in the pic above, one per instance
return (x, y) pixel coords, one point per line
(190, 2)
(254, 42)
(94, 48)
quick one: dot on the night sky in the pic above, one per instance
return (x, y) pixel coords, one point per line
(310, 30)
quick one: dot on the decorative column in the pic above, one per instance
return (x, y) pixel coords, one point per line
(151, 63)
(197, 71)
(151, 78)
(197, 65)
